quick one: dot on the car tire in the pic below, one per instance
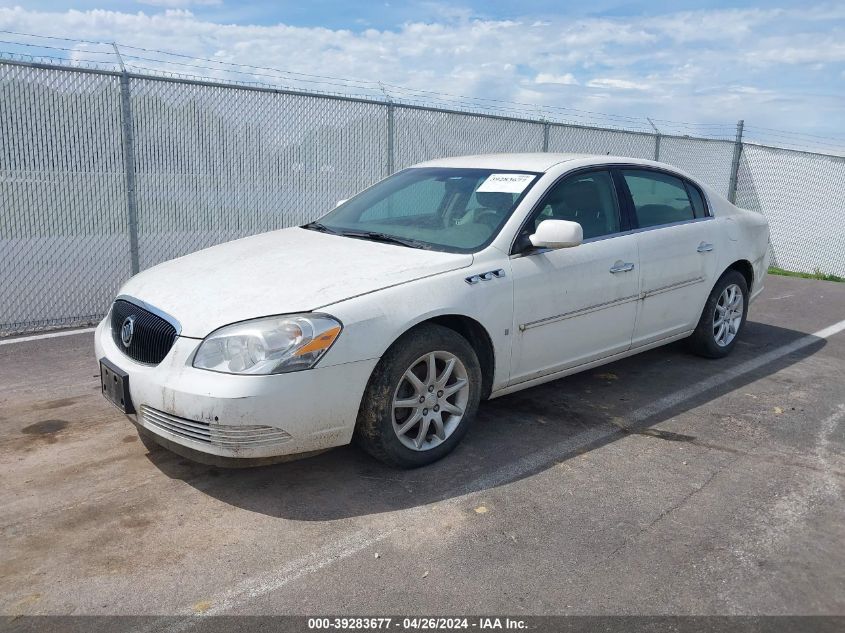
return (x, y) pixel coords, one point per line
(723, 317)
(409, 416)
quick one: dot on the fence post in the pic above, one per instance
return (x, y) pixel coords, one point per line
(129, 163)
(389, 100)
(735, 164)
(546, 127)
(657, 136)
(390, 164)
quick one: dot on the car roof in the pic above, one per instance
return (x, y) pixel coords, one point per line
(536, 161)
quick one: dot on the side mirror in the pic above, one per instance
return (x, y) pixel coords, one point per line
(340, 202)
(557, 234)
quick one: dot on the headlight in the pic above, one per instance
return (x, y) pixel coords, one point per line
(272, 345)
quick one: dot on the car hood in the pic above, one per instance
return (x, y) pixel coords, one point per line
(292, 270)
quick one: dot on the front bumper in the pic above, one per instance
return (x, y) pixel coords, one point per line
(240, 416)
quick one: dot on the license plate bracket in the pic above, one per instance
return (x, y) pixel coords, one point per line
(114, 384)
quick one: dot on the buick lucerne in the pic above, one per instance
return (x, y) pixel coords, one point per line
(390, 318)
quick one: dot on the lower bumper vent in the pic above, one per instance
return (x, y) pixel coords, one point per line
(222, 435)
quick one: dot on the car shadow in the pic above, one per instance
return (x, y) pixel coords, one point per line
(513, 436)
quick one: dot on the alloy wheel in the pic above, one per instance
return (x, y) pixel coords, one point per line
(728, 315)
(430, 400)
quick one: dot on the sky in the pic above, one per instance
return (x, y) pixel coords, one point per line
(779, 66)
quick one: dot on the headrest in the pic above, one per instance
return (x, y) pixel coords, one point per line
(494, 200)
(582, 195)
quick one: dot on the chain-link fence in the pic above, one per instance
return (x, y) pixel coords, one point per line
(64, 243)
(104, 173)
(803, 196)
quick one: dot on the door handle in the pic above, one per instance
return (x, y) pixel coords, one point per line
(704, 247)
(621, 267)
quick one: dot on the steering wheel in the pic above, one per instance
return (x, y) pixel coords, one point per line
(486, 216)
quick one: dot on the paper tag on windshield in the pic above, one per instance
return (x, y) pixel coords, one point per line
(506, 183)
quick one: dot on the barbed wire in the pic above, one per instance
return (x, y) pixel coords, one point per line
(396, 92)
(536, 115)
(796, 134)
(161, 64)
(311, 78)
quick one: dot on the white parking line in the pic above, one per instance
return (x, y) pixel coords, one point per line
(268, 582)
(263, 584)
(38, 337)
(667, 402)
(358, 541)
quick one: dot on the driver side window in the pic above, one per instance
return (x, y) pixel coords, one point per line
(586, 198)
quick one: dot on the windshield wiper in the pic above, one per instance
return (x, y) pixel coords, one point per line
(319, 226)
(376, 236)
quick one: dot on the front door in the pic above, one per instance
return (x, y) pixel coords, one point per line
(575, 305)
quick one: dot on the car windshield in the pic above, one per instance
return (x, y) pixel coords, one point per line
(449, 209)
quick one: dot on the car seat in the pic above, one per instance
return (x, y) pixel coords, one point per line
(495, 207)
(581, 201)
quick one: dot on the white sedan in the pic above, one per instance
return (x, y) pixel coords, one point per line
(390, 318)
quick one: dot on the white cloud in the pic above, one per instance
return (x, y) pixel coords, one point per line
(800, 49)
(566, 79)
(682, 66)
(180, 4)
(617, 84)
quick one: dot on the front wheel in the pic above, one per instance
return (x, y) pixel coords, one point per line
(421, 398)
(723, 317)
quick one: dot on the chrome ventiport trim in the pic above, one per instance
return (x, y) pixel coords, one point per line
(491, 274)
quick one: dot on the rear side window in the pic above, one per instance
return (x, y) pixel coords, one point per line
(658, 198)
(698, 205)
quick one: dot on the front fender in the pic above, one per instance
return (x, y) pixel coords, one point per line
(373, 322)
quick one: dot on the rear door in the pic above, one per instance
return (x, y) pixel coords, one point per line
(675, 239)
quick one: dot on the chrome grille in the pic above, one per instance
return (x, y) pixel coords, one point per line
(222, 435)
(152, 335)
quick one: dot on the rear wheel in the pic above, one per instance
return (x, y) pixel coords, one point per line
(421, 398)
(723, 317)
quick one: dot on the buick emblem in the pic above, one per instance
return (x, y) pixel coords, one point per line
(127, 330)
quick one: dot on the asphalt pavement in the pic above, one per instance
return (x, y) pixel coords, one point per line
(661, 484)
